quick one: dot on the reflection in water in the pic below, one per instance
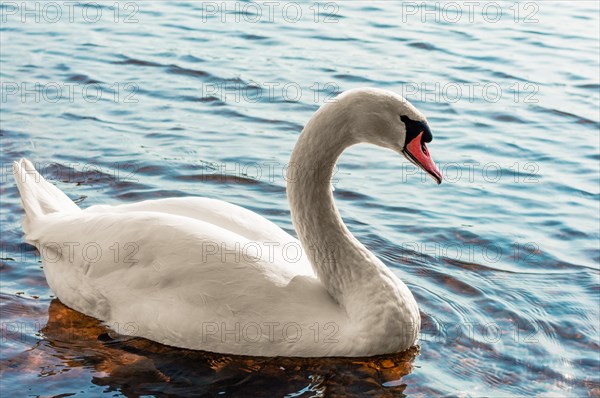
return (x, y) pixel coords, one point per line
(134, 366)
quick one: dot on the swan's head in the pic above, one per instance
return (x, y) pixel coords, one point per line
(386, 119)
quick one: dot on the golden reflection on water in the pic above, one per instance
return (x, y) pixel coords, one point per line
(72, 344)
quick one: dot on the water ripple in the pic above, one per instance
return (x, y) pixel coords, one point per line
(502, 257)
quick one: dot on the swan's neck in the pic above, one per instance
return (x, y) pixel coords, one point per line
(353, 275)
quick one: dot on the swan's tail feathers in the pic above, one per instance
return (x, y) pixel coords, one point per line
(39, 197)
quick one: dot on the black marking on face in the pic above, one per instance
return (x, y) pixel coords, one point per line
(414, 128)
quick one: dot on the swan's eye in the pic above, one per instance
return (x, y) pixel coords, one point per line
(414, 128)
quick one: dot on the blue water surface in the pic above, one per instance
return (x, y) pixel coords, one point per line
(126, 101)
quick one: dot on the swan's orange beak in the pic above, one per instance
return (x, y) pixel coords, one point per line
(416, 151)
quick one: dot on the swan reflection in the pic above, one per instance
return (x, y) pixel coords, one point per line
(72, 342)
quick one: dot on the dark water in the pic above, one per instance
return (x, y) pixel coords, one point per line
(157, 99)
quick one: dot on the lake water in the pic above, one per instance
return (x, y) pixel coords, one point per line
(139, 100)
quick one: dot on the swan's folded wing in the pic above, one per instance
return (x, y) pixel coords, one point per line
(90, 259)
(280, 247)
(101, 243)
(223, 214)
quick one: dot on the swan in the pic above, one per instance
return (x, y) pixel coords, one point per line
(204, 274)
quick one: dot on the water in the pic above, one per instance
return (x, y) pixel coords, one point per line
(502, 257)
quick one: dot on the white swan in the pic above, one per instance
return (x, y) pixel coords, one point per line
(204, 274)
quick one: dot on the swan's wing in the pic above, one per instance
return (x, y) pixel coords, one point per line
(280, 247)
(154, 235)
(93, 254)
(226, 215)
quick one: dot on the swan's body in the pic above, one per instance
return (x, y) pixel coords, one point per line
(205, 274)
